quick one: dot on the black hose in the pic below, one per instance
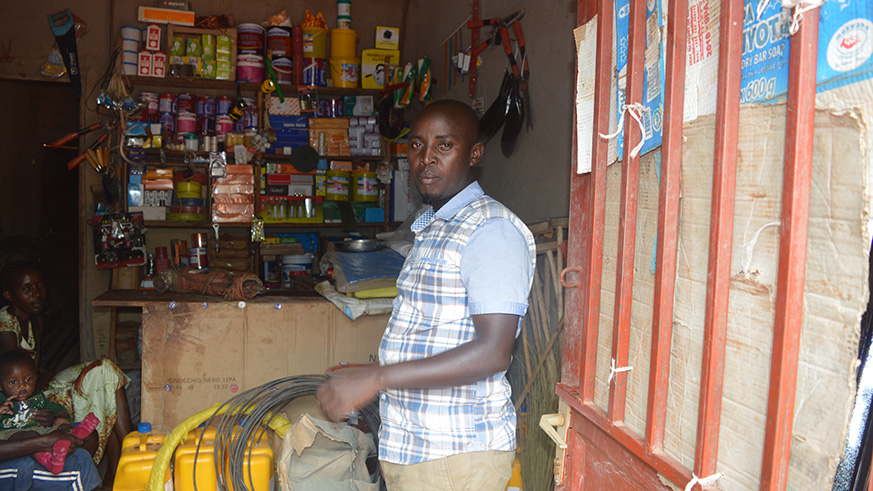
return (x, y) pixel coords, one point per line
(247, 411)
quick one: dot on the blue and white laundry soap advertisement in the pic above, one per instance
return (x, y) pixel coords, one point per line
(653, 79)
(845, 46)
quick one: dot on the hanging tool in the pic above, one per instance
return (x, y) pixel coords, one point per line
(106, 126)
(474, 57)
(523, 87)
(515, 114)
(63, 27)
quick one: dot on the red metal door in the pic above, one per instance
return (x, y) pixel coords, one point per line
(603, 452)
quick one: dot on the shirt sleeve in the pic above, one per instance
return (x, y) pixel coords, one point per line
(496, 269)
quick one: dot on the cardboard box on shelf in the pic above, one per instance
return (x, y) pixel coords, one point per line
(194, 357)
(373, 70)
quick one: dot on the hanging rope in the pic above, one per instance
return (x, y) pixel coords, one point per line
(800, 7)
(634, 110)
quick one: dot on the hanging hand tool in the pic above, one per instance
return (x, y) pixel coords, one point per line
(515, 114)
(525, 74)
(63, 28)
(107, 127)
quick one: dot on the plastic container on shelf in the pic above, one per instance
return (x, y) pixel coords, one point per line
(314, 42)
(295, 264)
(364, 186)
(138, 451)
(337, 185)
(345, 72)
(343, 43)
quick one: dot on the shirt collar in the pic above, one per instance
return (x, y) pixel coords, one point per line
(451, 208)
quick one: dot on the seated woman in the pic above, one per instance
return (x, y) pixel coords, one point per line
(93, 387)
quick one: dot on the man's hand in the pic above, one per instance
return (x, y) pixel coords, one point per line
(341, 395)
(49, 439)
(44, 417)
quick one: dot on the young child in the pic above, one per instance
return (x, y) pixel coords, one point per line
(18, 403)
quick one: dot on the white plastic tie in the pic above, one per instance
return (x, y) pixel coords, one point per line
(613, 371)
(634, 110)
(704, 481)
(750, 247)
(800, 7)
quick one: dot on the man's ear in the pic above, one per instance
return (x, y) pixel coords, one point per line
(7, 296)
(476, 153)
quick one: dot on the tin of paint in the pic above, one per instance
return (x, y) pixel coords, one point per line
(250, 68)
(250, 38)
(345, 72)
(205, 106)
(186, 122)
(315, 71)
(184, 103)
(223, 105)
(365, 186)
(282, 67)
(298, 264)
(314, 42)
(223, 125)
(279, 41)
(343, 43)
(166, 102)
(271, 274)
(168, 123)
(337, 185)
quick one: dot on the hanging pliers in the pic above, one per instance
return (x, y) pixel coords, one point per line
(106, 126)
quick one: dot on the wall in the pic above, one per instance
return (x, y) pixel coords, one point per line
(534, 182)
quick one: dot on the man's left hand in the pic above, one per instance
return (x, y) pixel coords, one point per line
(44, 417)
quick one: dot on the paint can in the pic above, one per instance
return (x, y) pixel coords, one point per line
(279, 41)
(166, 103)
(282, 66)
(315, 71)
(168, 123)
(295, 264)
(223, 105)
(365, 186)
(223, 126)
(343, 43)
(337, 185)
(184, 103)
(186, 122)
(345, 72)
(250, 38)
(314, 42)
(271, 273)
(250, 68)
(205, 106)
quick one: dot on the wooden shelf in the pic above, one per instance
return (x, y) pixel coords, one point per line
(140, 298)
(168, 224)
(284, 158)
(230, 85)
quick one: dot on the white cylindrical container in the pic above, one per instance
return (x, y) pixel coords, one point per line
(296, 264)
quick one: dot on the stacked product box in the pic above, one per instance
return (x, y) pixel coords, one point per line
(233, 196)
(330, 136)
(291, 132)
(364, 136)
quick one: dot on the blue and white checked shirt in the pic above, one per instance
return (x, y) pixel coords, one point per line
(473, 256)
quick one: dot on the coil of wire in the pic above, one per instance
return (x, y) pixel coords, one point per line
(261, 404)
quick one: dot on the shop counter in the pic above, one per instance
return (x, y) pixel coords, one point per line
(198, 350)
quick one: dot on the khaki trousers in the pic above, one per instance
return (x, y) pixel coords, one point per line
(474, 471)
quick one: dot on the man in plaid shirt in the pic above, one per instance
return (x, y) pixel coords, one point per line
(447, 418)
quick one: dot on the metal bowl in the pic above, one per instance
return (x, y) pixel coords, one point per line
(359, 245)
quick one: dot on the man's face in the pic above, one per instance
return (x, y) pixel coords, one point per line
(19, 380)
(28, 294)
(441, 155)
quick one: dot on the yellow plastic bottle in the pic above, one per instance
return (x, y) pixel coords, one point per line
(260, 461)
(514, 483)
(138, 451)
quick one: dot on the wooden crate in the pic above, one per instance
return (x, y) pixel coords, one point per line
(192, 32)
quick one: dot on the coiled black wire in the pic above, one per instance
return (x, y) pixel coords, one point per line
(243, 424)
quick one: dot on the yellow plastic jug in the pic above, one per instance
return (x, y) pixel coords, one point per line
(138, 451)
(260, 461)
